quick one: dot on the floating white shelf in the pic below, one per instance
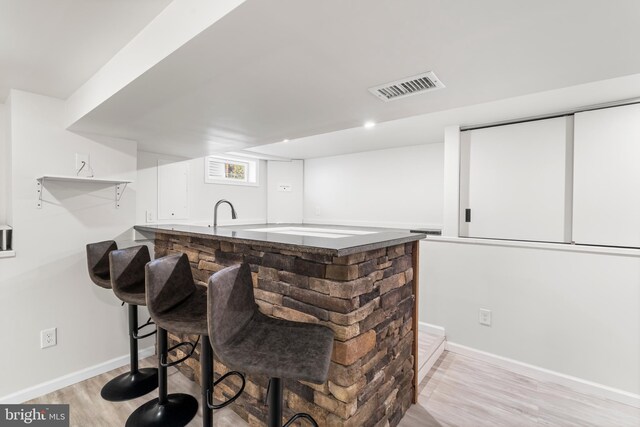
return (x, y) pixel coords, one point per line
(82, 179)
(120, 184)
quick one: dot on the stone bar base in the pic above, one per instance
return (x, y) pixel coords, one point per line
(366, 298)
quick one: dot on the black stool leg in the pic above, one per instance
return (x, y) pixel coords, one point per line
(206, 378)
(208, 383)
(167, 410)
(162, 371)
(275, 407)
(275, 402)
(136, 382)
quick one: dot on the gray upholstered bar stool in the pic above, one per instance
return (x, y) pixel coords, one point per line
(177, 304)
(98, 262)
(137, 382)
(247, 340)
(127, 280)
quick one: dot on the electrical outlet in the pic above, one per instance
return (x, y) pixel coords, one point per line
(82, 164)
(485, 317)
(48, 338)
(149, 216)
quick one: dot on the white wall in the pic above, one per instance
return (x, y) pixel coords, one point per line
(451, 182)
(398, 187)
(571, 312)
(250, 201)
(574, 313)
(285, 206)
(46, 285)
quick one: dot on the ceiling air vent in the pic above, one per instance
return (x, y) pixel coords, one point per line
(408, 86)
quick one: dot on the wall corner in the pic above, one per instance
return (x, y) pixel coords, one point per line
(451, 211)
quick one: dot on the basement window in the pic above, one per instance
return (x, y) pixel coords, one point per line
(235, 171)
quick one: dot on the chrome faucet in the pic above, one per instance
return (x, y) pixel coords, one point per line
(215, 211)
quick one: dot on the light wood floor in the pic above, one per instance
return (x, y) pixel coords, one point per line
(88, 409)
(459, 391)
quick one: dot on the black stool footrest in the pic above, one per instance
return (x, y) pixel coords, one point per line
(210, 403)
(163, 360)
(139, 337)
(301, 415)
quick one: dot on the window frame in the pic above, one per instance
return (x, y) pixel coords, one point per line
(251, 166)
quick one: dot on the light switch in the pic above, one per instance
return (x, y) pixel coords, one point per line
(484, 317)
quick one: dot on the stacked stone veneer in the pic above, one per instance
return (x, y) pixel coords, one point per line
(366, 298)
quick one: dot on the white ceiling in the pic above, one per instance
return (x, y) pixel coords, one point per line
(429, 128)
(51, 47)
(276, 69)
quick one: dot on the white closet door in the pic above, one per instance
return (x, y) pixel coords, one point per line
(173, 190)
(607, 177)
(516, 181)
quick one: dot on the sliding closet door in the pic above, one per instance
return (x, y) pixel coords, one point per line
(515, 181)
(607, 177)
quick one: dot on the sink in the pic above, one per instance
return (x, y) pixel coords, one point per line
(328, 233)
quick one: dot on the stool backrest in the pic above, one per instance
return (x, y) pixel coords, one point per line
(127, 267)
(98, 262)
(231, 304)
(168, 282)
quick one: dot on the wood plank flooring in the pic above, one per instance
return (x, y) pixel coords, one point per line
(458, 391)
(461, 391)
(88, 409)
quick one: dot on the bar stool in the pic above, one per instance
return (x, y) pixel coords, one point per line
(137, 382)
(127, 281)
(177, 304)
(247, 340)
(98, 262)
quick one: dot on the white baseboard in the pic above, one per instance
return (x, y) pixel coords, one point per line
(431, 329)
(542, 374)
(72, 378)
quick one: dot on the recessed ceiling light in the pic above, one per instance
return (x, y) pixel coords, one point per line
(285, 140)
(369, 124)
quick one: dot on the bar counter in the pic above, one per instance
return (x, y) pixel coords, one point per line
(360, 282)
